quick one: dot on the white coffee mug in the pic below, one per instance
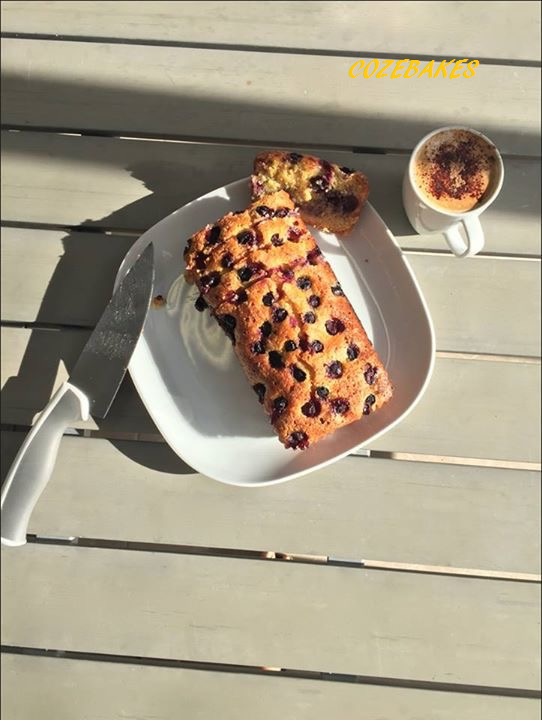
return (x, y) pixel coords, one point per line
(463, 231)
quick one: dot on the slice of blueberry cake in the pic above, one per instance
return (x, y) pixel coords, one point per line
(269, 238)
(330, 197)
(300, 343)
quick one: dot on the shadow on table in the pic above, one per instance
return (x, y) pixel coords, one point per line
(156, 456)
(185, 112)
(49, 346)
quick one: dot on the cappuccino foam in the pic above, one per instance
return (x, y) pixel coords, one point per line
(454, 169)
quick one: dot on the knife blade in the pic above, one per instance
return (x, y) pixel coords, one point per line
(90, 389)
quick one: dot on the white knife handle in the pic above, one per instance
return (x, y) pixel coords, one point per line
(34, 463)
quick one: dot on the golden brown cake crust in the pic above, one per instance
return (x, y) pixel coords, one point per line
(295, 333)
(330, 197)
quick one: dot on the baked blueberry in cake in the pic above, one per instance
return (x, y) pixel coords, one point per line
(329, 197)
(269, 238)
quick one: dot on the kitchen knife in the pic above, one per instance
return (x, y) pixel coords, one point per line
(91, 388)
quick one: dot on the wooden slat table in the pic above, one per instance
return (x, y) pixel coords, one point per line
(402, 582)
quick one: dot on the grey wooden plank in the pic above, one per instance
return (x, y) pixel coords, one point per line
(492, 320)
(36, 362)
(472, 408)
(40, 269)
(232, 94)
(114, 183)
(294, 616)
(443, 28)
(483, 403)
(432, 514)
(42, 688)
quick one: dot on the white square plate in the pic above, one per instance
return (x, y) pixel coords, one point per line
(193, 387)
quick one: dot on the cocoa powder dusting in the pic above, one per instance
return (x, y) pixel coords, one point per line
(457, 170)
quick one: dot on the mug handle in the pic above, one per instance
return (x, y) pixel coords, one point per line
(474, 237)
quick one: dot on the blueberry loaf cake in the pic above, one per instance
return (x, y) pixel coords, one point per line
(328, 196)
(298, 339)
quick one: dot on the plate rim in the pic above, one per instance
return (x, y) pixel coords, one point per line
(141, 243)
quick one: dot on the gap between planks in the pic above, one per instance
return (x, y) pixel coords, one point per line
(245, 47)
(273, 672)
(458, 460)
(220, 140)
(136, 233)
(466, 356)
(281, 557)
(393, 455)
(501, 358)
(203, 140)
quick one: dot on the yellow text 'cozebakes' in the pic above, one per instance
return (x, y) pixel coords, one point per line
(407, 68)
